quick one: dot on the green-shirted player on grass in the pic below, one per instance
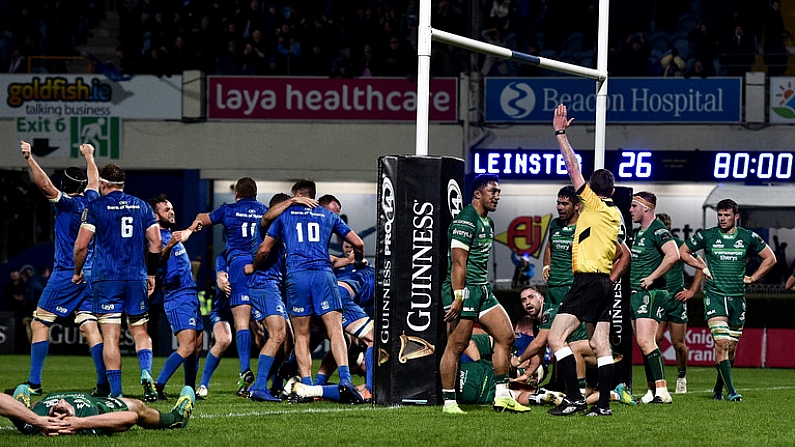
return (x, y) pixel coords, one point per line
(726, 249)
(72, 413)
(674, 316)
(467, 296)
(654, 252)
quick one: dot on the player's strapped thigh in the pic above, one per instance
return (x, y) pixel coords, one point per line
(137, 320)
(720, 330)
(82, 317)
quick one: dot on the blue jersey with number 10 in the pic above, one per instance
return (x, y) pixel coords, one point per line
(240, 221)
(306, 234)
(119, 222)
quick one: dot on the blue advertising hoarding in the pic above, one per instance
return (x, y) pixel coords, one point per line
(629, 100)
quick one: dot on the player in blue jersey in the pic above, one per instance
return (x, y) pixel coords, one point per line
(126, 256)
(220, 316)
(61, 297)
(266, 287)
(310, 282)
(240, 220)
(181, 297)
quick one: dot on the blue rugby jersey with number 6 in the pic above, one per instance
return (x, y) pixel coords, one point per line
(119, 222)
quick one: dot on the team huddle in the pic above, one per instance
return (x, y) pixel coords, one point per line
(276, 273)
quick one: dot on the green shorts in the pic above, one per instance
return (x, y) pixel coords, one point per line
(476, 383)
(480, 300)
(675, 311)
(732, 307)
(552, 302)
(648, 303)
(485, 345)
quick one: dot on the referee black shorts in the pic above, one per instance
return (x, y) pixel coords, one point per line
(589, 298)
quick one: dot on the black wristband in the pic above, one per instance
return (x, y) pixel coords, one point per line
(152, 263)
(560, 132)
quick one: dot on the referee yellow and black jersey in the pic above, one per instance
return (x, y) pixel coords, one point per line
(594, 246)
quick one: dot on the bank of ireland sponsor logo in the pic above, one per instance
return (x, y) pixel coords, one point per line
(455, 200)
(517, 100)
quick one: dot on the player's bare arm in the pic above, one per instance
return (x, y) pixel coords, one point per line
(620, 261)
(40, 178)
(671, 255)
(561, 122)
(768, 262)
(458, 275)
(92, 171)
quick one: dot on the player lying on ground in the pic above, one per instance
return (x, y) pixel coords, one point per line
(79, 413)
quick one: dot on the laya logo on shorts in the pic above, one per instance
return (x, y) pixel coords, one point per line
(106, 307)
(244, 298)
(298, 310)
(517, 100)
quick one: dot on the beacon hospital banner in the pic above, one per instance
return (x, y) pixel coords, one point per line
(56, 113)
(629, 100)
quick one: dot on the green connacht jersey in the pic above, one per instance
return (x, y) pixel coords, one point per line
(84, 405)
(647, 254)
(675, 278)
(476, 233)
(561, 238)
(726, 255)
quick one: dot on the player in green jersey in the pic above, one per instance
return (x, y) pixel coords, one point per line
(467, 295)
(654, 252)
(726, 248)
(674, 316)
(73, 413)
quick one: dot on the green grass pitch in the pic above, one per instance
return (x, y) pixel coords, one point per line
(765, 417)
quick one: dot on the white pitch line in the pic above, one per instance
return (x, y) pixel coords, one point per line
(281, 412)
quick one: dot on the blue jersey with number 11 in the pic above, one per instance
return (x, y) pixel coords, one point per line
(240, 221)
(306, 234)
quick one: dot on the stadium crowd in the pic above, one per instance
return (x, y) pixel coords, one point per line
(379, 37)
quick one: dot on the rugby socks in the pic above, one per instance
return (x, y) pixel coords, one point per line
(725, 373)
(38, 353)
(345, 374)
(331, 392)
(681, 373)
(449, 397)
(568, 371)
(582, 382)
(190, 367)
(99, 363)
(719, 381)
(368, 363)
(145, 359)
(306, 380)
(114, 377)
(606, 368)
(501, 385)
(655, 361)
(264, 364)
(210, 364)
(168, 420)
(172, 363)
(243, 343)
(320, 379)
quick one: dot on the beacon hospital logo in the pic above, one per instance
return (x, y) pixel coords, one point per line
(517, 100)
